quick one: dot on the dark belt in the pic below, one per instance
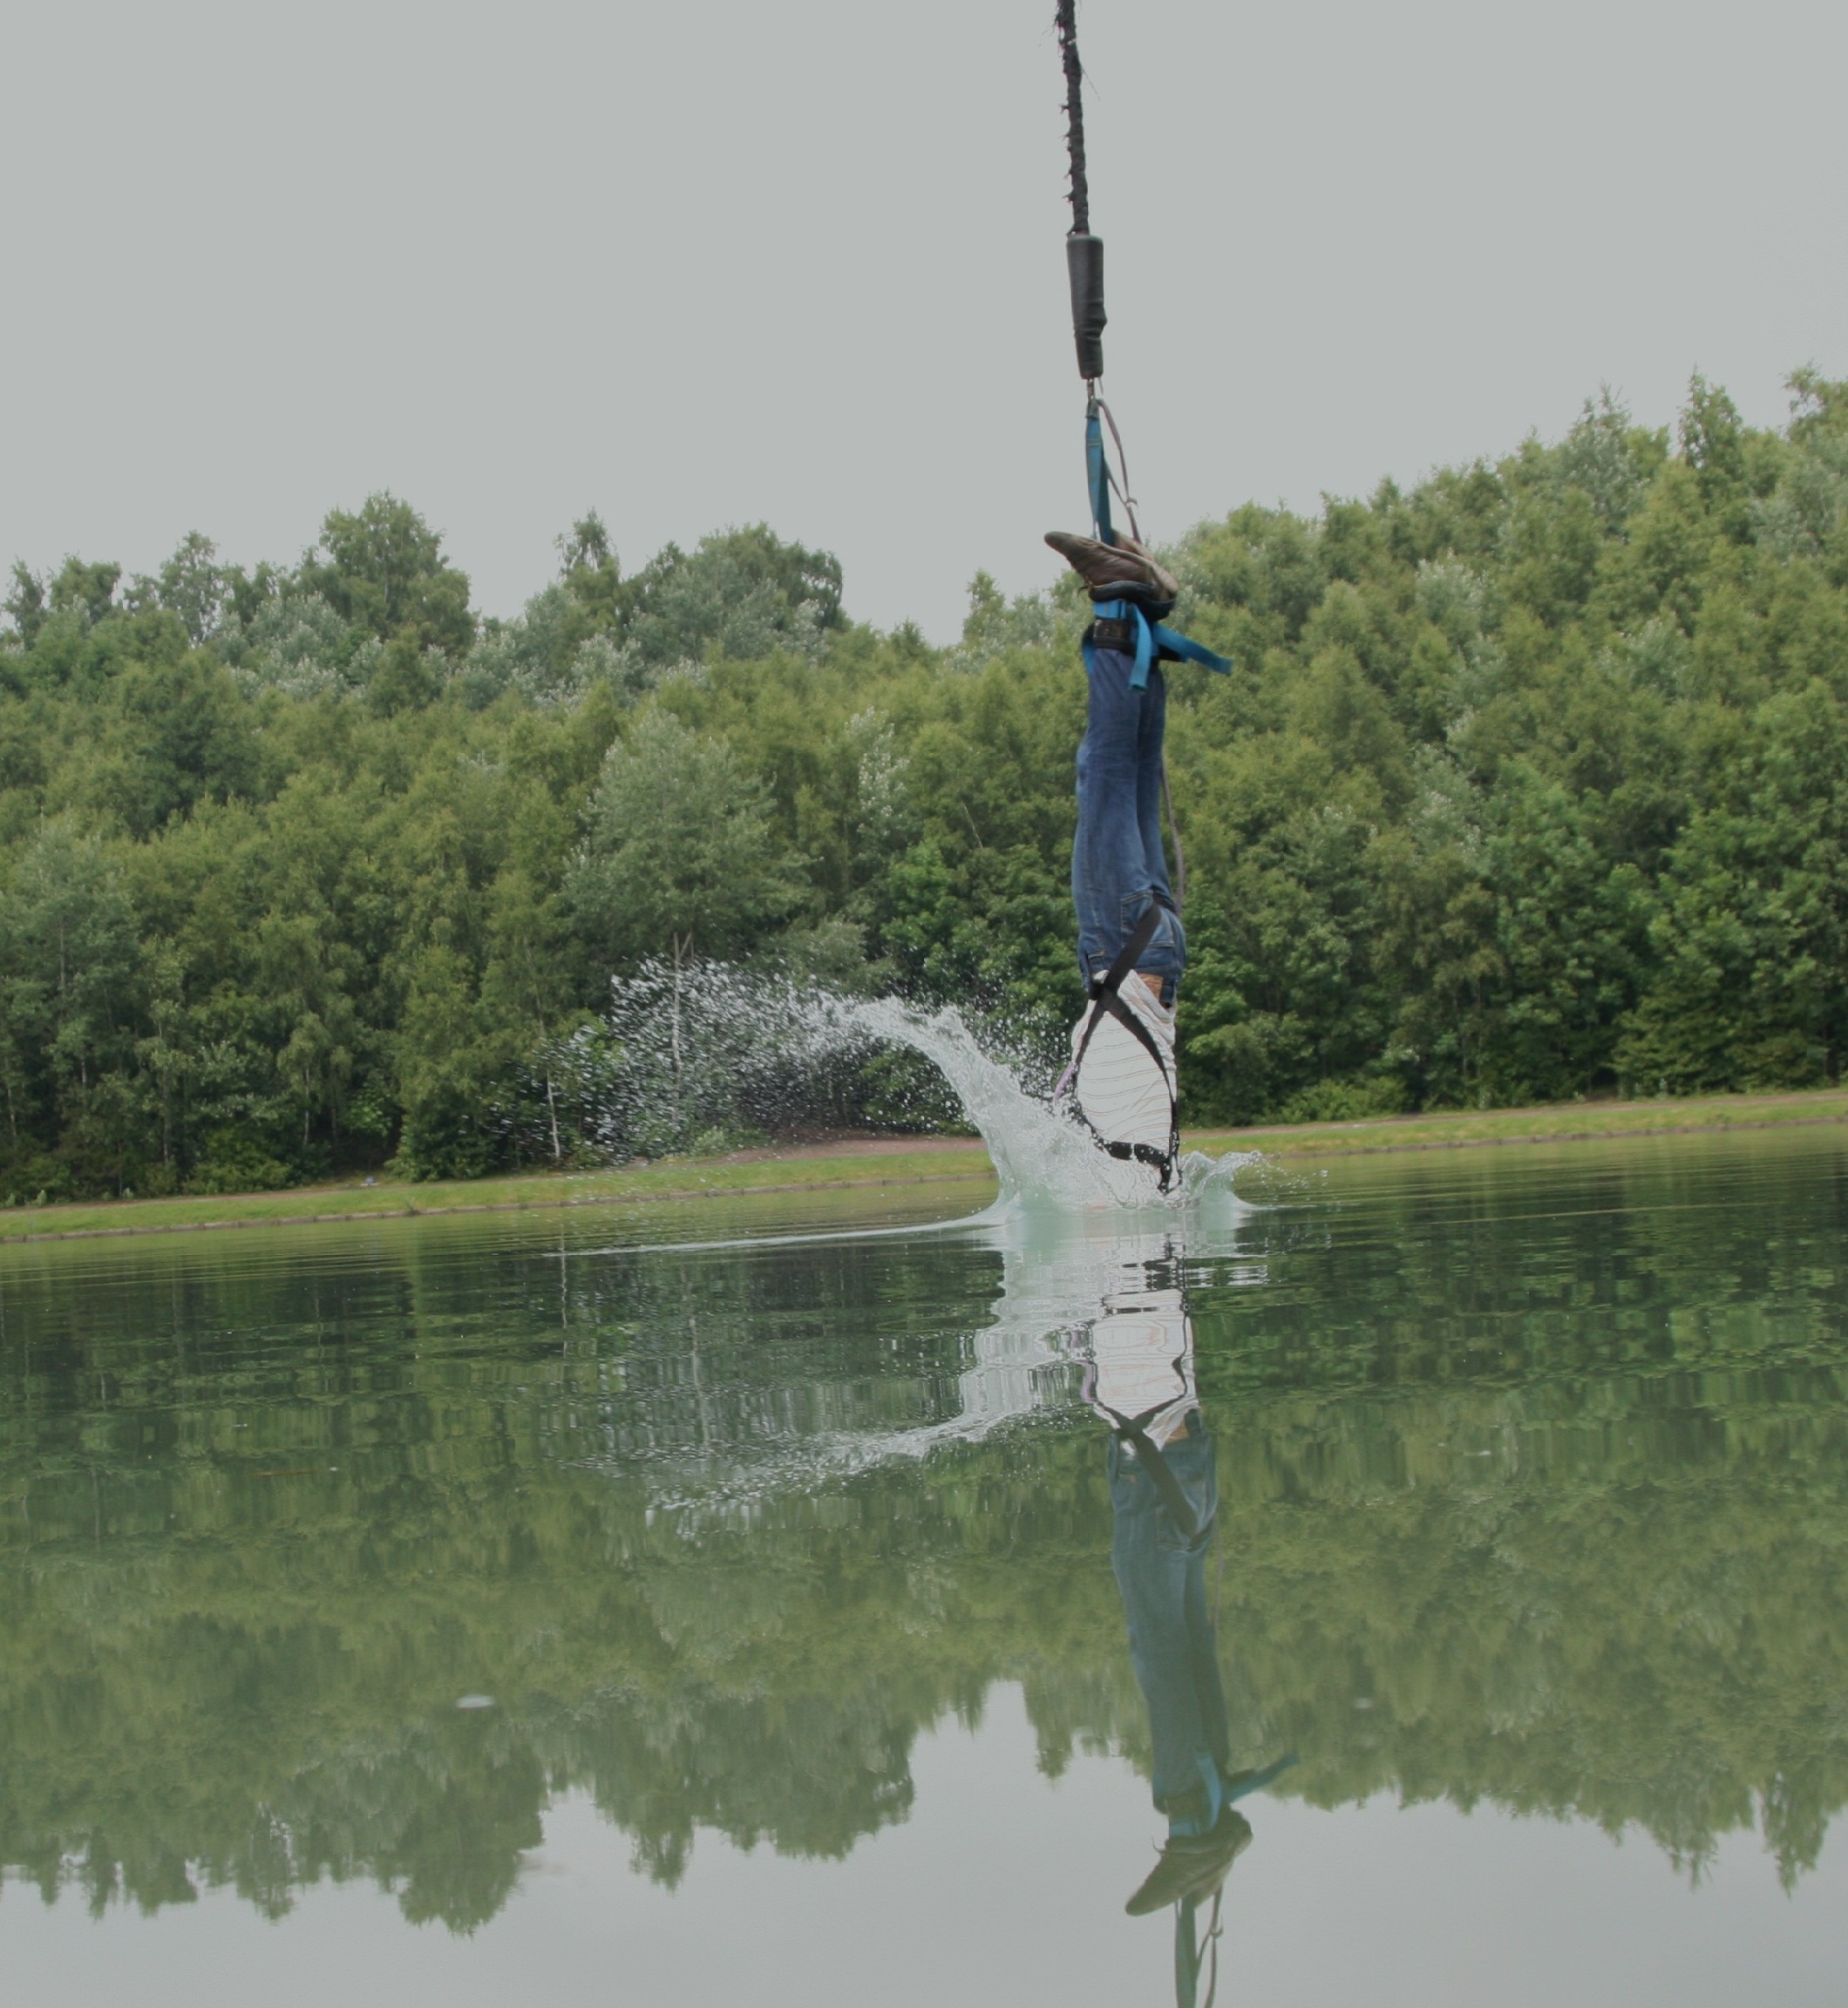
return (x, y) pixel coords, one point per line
(1114, 635)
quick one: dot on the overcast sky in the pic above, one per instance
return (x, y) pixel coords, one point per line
(801, 261)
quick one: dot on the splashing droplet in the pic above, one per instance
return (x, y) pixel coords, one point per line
(713, 1048)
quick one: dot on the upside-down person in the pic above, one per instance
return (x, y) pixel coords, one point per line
(1132, 946)
(1165, 1502)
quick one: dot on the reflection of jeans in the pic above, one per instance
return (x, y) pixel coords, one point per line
(1163, 1583)
(1117, 861)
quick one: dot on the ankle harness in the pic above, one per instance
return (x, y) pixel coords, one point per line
(1122, 624)
(1125, 623)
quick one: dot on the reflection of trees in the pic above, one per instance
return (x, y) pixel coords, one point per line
(261, 1527)
(1574, 1529)
(1609, 1602)
(274, 1700)
(1574, 1522)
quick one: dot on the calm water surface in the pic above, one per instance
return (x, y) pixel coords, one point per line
(738, 1602)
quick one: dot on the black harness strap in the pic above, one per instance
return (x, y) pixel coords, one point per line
(1105, 991)
(1133, 1430)
(1106, 997)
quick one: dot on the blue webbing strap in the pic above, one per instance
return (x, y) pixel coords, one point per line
(1097, 473)
(1243, 1784)
(1150, 636)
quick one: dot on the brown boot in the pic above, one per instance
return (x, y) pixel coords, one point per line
(1108, 568)
(1194, 1867)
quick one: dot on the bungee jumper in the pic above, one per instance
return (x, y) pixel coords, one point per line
(1132, 947)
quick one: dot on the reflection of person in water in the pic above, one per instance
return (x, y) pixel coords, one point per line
(1165, 1503)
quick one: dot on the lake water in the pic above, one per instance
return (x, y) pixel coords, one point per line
(719, 1603)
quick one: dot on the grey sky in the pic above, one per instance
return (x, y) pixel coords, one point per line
(708, 264)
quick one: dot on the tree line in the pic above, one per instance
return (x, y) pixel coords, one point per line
(1530, 784)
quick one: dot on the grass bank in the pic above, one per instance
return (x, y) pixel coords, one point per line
(899, 1162)
(1559, 1122)
(914, 1161)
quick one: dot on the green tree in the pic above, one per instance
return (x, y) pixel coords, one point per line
(1752, 926)
(450, 1064)
(679, 858)
(69, 966)
(184, 734)
(196, 587)
(85, 589)
(25, 603)
(741, 593)
(381, 569)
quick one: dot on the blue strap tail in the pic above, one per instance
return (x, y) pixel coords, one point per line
(1243, 1787)
(1180, 645)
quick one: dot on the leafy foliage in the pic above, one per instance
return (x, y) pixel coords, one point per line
(1529, 785)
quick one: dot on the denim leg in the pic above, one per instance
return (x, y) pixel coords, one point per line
(1163, 1584)
(1152, 732)
(1117, 865)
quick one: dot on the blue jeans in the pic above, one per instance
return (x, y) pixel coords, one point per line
(1162, 1580)
(1117, 865)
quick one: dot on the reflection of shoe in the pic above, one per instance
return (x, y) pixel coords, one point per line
(1108, 569)
(1194, 1864)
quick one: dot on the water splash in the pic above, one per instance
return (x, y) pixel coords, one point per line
(1061, 1272)
(1073, 1227)
(1041, 1155)
(710, 1046)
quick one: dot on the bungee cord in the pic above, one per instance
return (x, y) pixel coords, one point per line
(1068, 29)
(1084, 269)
